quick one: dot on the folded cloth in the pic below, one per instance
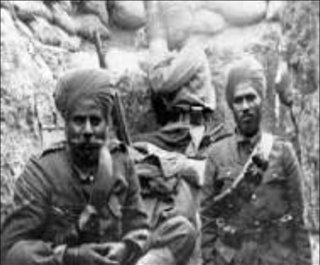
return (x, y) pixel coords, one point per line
(170, 164)
(173, 137)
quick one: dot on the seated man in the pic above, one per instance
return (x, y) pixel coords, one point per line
(184, 100)
(251, 208)
(79, 201)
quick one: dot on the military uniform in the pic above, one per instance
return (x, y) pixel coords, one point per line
(267, 228)
(182, 87)
(49, 197)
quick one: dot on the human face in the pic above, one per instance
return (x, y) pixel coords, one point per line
(86, 131)
(246, 107)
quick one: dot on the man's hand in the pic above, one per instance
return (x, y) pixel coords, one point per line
(116, 251)
(89, 254)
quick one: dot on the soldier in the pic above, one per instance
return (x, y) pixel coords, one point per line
(79, 201)
(183, 98)
(251, 216)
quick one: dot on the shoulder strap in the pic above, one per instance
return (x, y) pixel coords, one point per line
(265, 145)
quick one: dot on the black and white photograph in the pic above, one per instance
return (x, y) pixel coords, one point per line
(159, 132)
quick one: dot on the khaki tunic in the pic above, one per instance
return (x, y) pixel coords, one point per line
(49, 197)
(267, 229)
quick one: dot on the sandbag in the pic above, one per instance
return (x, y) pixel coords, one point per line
(62, 19)
(177, 17)
(28, 10)
(129, 15)
(46, 33)
(207, 22)
(87, 25)
(52, 35)
(94, 7)
(238, 13)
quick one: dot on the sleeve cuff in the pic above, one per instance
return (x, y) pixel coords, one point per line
(136, 241)
(59, 252)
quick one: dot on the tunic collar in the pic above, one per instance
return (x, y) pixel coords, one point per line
(244, 140)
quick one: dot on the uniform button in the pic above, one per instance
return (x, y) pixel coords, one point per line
(253, 197)
(256, 223)
(229, 173)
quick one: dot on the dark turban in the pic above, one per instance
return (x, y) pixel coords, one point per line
(85, 83)
(247, 70)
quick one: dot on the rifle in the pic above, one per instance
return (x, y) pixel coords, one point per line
(117, 111)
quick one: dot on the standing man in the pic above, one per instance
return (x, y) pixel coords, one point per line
(79, 201)
(257, 220)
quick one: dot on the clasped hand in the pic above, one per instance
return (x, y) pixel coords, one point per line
(96, 254)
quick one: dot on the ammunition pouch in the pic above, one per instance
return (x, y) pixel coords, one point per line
(279, 230)
(252, 178)
(84, 229)
(228, 234)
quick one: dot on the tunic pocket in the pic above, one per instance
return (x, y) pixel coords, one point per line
(271, 196)
(274, 176)
(64, 213)
(62, 221)
(110, 223)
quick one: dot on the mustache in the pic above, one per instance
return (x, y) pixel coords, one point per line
(246, 115)
(84, 143)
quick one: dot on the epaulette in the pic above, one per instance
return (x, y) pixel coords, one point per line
(53, 148)
(216, 135)
(117, 146)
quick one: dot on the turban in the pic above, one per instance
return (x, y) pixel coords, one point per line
(85, 83)
(247, 70)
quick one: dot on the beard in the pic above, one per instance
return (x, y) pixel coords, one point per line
(248, 124)
(86, 153)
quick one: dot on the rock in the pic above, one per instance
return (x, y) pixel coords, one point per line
(128, 15)
(24, 29)
(246, 13)
(54, 58)
(7, 23)
(208, 23)
(82, 59)
(65, 5)
(52, 35)
(23, 73)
